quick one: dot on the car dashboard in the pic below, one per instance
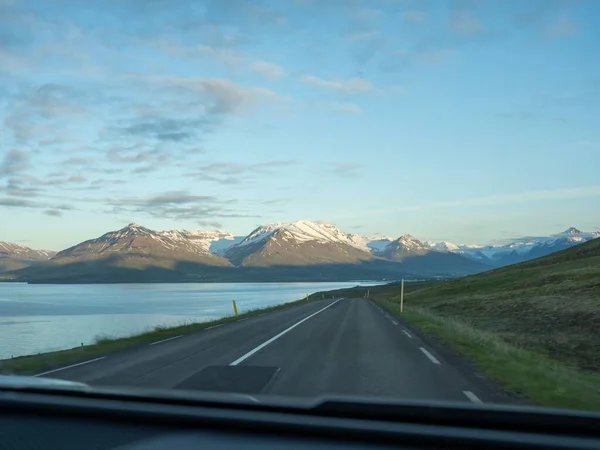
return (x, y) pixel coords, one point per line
(78, 418)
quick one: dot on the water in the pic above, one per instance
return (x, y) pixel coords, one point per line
(37, 318)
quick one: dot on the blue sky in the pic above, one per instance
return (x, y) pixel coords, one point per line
(469, 121)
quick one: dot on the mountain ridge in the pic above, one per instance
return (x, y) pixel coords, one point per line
(293, 245)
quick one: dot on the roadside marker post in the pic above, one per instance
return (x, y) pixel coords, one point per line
(402, 296)
(306, 297)
(235, 311)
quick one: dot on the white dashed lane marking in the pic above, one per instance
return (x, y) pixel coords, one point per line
(472, 397)
(430, 356)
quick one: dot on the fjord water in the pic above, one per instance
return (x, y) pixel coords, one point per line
(37, 318)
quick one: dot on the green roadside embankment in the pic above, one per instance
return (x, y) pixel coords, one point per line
(33, 364)
(534, 326)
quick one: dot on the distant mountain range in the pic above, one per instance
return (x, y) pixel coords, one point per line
(522, 249)
(295, 251)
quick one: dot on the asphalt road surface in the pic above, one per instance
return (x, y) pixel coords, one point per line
(345, 347)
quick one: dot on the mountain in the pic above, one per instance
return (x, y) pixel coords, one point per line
(298, 243)
(132, 254)
(522, 249)
(137, 244)
(14, 256)
(417, 257)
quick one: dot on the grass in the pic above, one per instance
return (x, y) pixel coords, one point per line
(103, 345)
(532, 326)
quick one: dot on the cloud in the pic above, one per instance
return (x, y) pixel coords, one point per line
(166, 129)
(210, 223)
(179, 113)
(561, 27)
(351, 86)
(16, 160)
(53, 213)
(345, 170)
(17, 187)
(222, 96)
(78, 161)
(178, 205)
(465, 24)
(229, 57)
(17, 202)
(349, 108)
(231, 173)
(414, 15)
(43, 113)
(269, 70)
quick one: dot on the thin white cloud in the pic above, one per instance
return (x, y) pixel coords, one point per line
(494, 200)
(269, 70)
(228, 57)
(348, 108)
(351, 86)
(522, 197)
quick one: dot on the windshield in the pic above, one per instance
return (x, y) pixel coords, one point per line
(387, 199)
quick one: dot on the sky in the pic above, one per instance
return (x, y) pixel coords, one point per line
(467, 121)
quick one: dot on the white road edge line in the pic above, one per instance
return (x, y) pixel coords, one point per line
(407, 333)
(394, 322)
(430, 356)
(68, 367)
(274, 338)
(215, 326)
(472, 397)
(165, 340)
(240, 320)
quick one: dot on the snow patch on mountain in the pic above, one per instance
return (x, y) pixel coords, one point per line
(200, 240)
(444, 246)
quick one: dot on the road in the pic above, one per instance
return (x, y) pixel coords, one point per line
(347, 346)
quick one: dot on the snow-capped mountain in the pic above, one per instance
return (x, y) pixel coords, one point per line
(135, 242)
(14, 256)
(405, 245)
(521, 249)
(304, 231)
(443, 246)
(296, 243)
